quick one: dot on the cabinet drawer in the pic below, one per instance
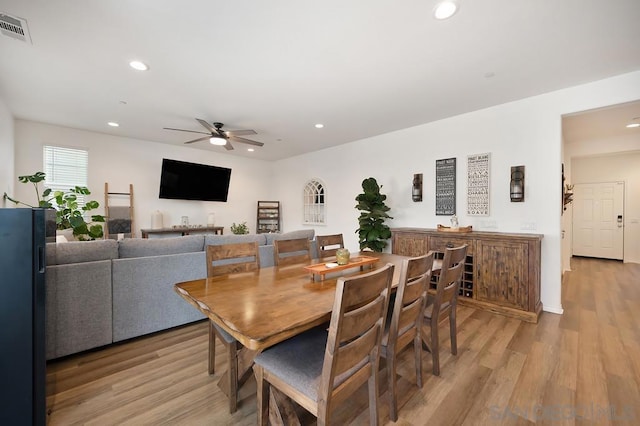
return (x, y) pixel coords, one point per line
(440, 243)
(410, 244)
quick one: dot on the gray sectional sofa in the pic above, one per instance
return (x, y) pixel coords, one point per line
(105, 291)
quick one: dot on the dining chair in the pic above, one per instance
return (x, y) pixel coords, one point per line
(329, 244)
(320, 369)
(222, 260)
(443, 303)
(404, 325)
(289, 252)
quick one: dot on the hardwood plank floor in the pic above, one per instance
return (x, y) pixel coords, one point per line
(576, 369)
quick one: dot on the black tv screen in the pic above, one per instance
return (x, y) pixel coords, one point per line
(190, 181)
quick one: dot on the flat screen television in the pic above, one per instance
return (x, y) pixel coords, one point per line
(180, 180)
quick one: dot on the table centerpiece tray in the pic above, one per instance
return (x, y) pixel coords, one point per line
(322, 269)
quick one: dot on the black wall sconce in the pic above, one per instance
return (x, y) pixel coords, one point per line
(416, 188)
(517, 184)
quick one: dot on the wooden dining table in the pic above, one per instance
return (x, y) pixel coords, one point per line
(262, 308)
(265, 307)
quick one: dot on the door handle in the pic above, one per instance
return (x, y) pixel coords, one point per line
(619, 221)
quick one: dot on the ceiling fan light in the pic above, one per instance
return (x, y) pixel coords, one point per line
(217, 141)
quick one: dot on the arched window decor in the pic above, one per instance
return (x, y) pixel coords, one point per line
(314, 203)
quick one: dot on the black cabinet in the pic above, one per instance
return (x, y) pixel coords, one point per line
(22, 316)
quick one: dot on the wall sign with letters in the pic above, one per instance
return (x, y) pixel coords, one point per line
(446, 187)
(478, 184)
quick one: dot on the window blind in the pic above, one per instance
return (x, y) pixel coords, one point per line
(65, 168)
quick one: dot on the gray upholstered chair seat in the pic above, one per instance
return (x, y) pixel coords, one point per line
(298, 360)
(222, 333)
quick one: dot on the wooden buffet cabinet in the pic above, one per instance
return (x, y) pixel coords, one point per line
(502, 271)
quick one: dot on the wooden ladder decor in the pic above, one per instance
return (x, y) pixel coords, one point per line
(119, 218)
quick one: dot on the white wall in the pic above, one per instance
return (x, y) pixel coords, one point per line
(7, 175)
(121, 161)
(525, 132)
(612, 168)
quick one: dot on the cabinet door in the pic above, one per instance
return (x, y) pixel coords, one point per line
(502, 273)
(410, 244)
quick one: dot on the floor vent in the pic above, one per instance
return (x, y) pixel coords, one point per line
(14, 27)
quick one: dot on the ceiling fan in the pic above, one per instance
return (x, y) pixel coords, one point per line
(217, 136)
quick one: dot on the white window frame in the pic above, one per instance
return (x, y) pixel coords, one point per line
(314, 202)
(65, 168)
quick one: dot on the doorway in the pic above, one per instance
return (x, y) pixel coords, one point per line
(598, 225)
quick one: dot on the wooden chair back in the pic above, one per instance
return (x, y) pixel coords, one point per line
(289, 252)
(353, 344)
(449, 281)
(329, 244)
(232, 258)
(406, 321)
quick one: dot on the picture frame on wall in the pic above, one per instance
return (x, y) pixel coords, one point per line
(445, 187)
(478, 184)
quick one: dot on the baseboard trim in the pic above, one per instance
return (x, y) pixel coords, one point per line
(553, 310)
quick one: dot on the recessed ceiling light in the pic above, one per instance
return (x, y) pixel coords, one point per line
(138, 65)
(319, 126)
(250, 149)
(113, 124)
(217, 141)
(632, 125)
(445, 9)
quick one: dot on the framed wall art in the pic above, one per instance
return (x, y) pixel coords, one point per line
(478, 173)
(446, 187)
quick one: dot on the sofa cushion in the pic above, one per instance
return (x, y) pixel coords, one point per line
(81, 251)
(144, 299)
(292, 235)
(143, 247)
(78, 307)
(217, 240)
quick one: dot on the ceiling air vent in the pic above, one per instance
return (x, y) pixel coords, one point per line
(14, 27)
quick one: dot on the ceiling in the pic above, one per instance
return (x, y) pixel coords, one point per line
(360, 67)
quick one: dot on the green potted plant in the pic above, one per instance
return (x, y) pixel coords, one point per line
(373, 233)
(240, 228)
(69, 215)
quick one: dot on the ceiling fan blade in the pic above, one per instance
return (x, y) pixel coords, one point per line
(199, 139)
(183, 130)
(228, 146)
(248, 141)
(240, 132)
(207, 126)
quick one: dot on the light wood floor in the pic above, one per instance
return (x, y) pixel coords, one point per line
(579, 368)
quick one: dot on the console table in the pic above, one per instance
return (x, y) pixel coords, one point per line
(183, 230)
(501, 272)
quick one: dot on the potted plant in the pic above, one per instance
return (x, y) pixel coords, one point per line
(373, 233)
(240, 228)
(69, 215)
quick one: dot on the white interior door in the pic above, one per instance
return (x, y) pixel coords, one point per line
(598, 225)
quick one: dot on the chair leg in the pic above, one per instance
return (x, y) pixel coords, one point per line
(435, 347)
(453, 332)
(262, 396)
(233, 376)
(393, 392)
(417, 341)
(373, 396)
(212, 348)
